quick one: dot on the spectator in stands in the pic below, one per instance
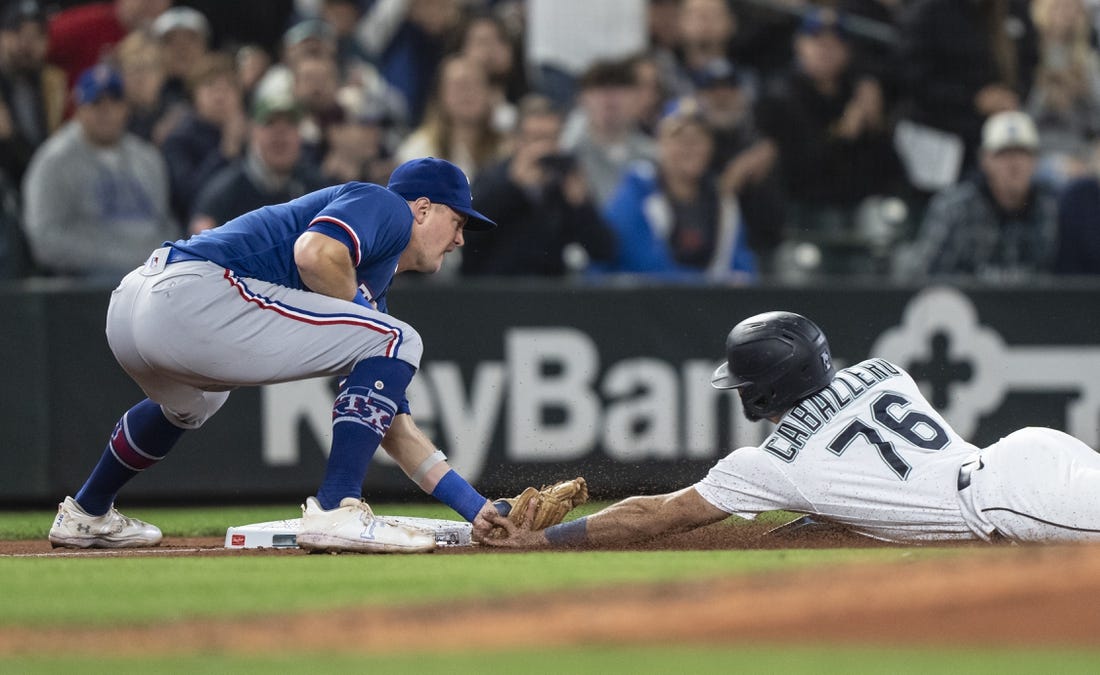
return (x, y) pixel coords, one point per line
(357, 142)
(82, 35)
(253, 62)
(761, 43)
(673, 220)
(743, 158)
(835, 147)
(484, 40)
(999, 226)
(96, 197)
(153, 110)
(32, 92)
(210, 136)
(305, 39)
(1079, 223)
(652, 93)
(270, 172)
(314, 39)
(604, 132)
(707, 29)
(316, 81)
(343, 16)
(1065, 99)
(961, 61)
(549, 224)
(184, 37)
(407, 40)
(458, 124)
(663, 25)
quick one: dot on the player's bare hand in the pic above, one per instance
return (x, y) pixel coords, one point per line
(516, 536)
(482, 523)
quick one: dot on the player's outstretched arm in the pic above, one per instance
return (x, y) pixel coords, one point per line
(632, 519)
(427, 466)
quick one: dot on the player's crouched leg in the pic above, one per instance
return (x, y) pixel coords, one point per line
(200, 409)
(370, 398)
(394, 339)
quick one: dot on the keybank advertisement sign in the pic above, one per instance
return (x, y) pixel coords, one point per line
(619, 382)
(531, 382)
(551, 399)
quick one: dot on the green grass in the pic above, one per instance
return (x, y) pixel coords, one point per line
(61, 591)
(702, 660)
(82, 590)
(86, 589)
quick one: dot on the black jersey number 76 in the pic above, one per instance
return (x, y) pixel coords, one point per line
(914, 427)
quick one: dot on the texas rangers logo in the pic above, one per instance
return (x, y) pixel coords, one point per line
(363, 406)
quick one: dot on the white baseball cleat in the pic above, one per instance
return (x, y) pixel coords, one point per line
(74, 527)
(352, 526)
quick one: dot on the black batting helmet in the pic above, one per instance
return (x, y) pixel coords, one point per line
(775, 359)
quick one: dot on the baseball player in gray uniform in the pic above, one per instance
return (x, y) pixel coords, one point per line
(860, 448)
(287, 292)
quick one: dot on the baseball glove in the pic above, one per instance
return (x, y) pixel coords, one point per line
(547, 506)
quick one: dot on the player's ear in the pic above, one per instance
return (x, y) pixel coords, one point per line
(420, 208)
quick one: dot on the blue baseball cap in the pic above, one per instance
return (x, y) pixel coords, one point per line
(442, 183)
(820, 20)
(96, 82)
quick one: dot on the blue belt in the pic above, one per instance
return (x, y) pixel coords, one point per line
(179, 255)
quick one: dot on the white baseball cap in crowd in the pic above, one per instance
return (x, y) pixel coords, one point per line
(181, 18)
(1010, 130)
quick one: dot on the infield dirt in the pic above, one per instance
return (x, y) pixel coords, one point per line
(988, 596)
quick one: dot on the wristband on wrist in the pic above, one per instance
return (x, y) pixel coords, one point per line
(573, 533)
(453, 490)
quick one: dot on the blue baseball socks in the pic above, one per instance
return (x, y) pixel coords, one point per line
(141, 439)
(361, 415)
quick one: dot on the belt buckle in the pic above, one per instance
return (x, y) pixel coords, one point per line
(966, 471)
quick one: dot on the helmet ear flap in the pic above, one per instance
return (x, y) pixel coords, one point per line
(761, 402)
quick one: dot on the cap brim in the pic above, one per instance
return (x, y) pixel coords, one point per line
(476, 222)
(723, 379)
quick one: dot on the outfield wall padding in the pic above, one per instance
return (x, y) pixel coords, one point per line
(527, 382)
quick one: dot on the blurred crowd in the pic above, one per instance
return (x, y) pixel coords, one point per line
(729, 141)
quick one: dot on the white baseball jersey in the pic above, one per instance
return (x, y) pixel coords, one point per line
(869, 452)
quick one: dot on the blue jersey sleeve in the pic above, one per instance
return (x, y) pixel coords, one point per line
(374, 223)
